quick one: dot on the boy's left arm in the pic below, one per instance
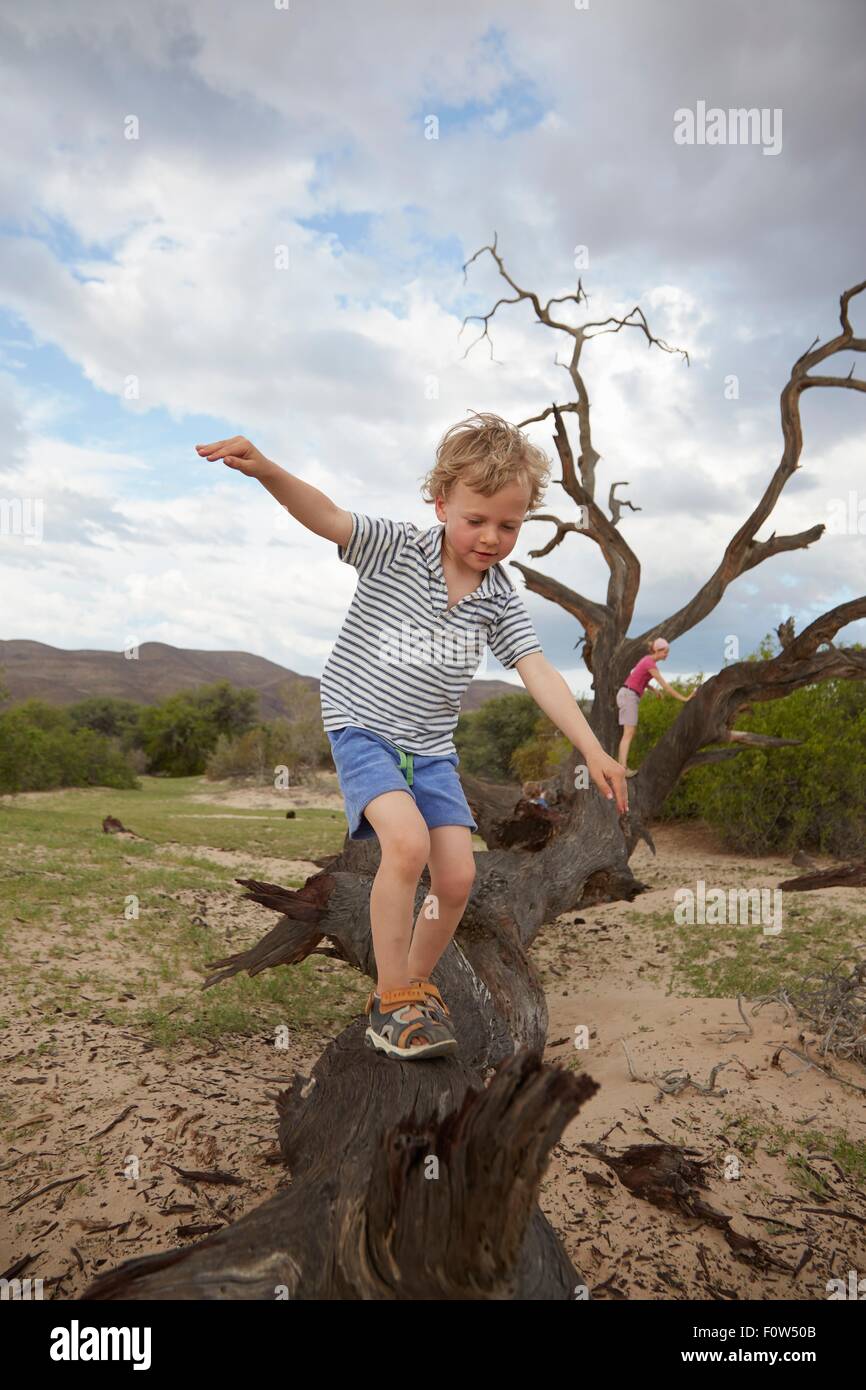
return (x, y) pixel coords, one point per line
(550, 692)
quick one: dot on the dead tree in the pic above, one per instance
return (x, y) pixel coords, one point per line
(362, 1216)
(707, 721)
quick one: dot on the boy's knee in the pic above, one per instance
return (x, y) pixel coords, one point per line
(455, 885)
(407, 847)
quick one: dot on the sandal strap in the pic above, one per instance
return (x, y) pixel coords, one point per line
(409, 994)
(430, 1027)
(416, 1025)
(392, 999)
(429, 988)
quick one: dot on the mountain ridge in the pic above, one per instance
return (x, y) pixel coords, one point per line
(62, 676)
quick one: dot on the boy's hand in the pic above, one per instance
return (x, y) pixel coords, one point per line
(237, 453)
(607, 773)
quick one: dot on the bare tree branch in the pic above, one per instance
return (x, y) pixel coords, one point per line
(743, 551)
(635, 319)
(745, 738)
(593, 616)
(707, 717)
(742, 739)
(615, 504)
(608, 653)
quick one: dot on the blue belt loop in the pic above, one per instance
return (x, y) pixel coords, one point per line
(405, 762)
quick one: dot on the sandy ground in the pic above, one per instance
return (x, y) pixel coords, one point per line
(323, 792)
(212, 1108)
(623, 1245)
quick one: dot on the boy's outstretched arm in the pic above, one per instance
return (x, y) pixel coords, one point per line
(551, 694)
(306, 503)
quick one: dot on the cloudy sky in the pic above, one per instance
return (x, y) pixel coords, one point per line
(164, 153)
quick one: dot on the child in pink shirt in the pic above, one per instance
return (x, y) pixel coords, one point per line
(636, 683)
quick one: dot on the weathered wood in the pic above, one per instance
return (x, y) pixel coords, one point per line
(837, 876)
(408, 1181)
(340, 1132)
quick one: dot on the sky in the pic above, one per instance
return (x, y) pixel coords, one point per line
(252, 218)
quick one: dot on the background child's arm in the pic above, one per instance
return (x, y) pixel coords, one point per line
(306, 503)
(657, 675)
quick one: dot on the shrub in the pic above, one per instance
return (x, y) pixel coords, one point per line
(40, 750)
(299, 744)
(487, 739)
(811, 796)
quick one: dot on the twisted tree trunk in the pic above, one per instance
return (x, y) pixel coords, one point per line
(409, 1180)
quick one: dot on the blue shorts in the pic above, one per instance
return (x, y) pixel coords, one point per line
(368, 765)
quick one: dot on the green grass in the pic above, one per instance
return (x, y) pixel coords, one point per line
(722, 961)
(62, 877)
(163, 811)
(747, 1135)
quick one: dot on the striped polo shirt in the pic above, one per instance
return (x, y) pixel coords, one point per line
(402, 658)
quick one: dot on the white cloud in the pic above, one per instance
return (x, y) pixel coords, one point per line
(149, 265)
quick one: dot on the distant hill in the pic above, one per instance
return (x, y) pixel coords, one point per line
(62, 677)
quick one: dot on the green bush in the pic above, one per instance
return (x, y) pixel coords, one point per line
(177, 736)
(180, 734)
(107, 715)
(107, 742)
(812, 796)
(488, 738)
(298, 744)
(41, 749)
(262, 750)
(542, 754)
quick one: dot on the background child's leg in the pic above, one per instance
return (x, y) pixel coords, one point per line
(628, 734)
(405, 844)
(452, 873)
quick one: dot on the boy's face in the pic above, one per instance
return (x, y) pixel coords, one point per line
(480, 531)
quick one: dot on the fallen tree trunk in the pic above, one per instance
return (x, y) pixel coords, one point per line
(408, 1182)
(362, 1216)
(837, 876)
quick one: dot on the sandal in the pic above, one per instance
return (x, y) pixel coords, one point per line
(435, 1002)
(390, 1030)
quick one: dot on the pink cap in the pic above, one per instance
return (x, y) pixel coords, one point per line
(661, 644)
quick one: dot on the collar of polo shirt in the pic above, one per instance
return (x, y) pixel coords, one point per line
(495, 583)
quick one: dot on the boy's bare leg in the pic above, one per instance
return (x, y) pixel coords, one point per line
(405, 844)
(452, 873)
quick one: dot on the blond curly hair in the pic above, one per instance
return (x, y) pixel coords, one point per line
(486, 454)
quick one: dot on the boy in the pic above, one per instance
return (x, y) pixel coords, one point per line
(426, 604)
